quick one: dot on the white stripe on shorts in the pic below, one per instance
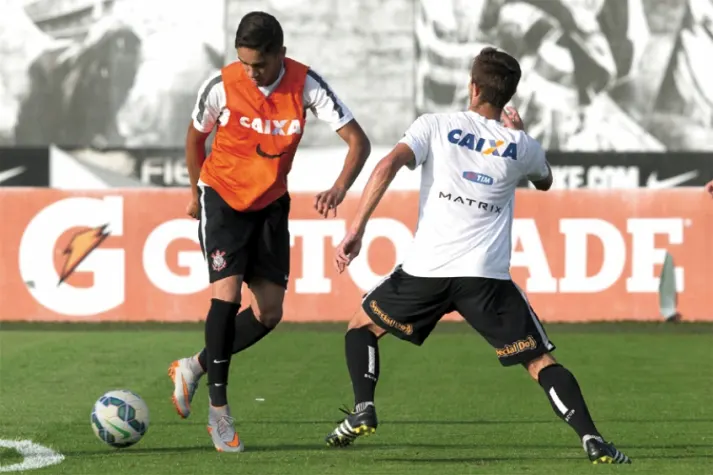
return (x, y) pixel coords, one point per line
(204, 218)
(536, 320)
(381, 281)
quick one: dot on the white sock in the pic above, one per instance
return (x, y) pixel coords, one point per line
(363, 405)
(217, 412)
(195, 366)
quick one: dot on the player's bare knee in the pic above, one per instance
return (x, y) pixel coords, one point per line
(270, 316)
(538, 364)
(376, 330)
(373, 328)
(359, 319)
(267, 299)
(362, 320)
(227, 289)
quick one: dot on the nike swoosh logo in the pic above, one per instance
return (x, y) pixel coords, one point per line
(11, 173)
(264, 154)
(655, 183)
(124, 433)
(235, 442)
(219, 362)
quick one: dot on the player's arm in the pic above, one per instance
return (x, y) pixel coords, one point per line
(411, 151)
(359, 150)
(537, 169)
(376, 186)
(378, 183)
(544, 184)
(209, 105)
(327, 107)
(195, 155)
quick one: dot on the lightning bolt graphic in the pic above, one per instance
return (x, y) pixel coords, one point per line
(79, 247)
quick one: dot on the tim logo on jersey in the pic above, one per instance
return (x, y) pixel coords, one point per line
(479, 178)
(496, 148)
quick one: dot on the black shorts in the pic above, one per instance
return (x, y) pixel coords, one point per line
(248, 243)
(410, 307)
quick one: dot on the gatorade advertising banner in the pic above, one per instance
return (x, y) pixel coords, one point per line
(133, 255)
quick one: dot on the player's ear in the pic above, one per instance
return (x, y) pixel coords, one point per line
(283, 52)
(473, 92)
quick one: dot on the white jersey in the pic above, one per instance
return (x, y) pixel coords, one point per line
(317, 96)
(471, 167)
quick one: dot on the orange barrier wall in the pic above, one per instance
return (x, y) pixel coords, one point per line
(580, 255)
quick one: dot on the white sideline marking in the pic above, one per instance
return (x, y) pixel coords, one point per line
(35, 455)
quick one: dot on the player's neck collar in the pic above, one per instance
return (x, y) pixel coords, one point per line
(276, 82)
(481, 116)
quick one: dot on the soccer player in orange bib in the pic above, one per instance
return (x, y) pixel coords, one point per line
(240, 198)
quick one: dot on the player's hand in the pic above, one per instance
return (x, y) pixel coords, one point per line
(511, 119)
(347, 250)
(329, 200)
(192, 208)
(709, 188)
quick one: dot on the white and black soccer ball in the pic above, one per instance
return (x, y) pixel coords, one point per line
(120, 418)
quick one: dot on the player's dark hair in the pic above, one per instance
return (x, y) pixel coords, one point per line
(497, 75)
(260, 31)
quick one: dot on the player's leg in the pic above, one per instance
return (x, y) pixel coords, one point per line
(226, 266)
(267, 275)
(501, 313)
(361, 348)
(225, 236)
(187, 372)
(405, 306)
(219, 336)
(228, 238)
(565, 396)
(362, 354)
(269, 266)
(251, 325)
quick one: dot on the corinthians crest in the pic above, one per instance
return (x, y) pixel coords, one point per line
(218, 261)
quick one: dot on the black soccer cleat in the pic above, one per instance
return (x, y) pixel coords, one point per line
(356, 424)
(601, 452)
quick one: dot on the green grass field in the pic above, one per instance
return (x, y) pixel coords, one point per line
(447, 407)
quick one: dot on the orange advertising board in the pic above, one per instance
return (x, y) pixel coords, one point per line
(132, 255)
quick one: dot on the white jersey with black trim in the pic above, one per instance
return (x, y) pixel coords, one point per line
(318, 97)
(470, 168)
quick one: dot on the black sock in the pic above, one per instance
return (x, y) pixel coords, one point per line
(362, 350)
(566, 398)
(248, 331)
(219, 333)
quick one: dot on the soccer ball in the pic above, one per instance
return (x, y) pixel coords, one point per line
(120, 418)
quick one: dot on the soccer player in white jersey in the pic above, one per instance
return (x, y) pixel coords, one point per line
(471, 163)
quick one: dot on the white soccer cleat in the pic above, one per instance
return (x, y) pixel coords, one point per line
(185, 383)
(221, 428)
